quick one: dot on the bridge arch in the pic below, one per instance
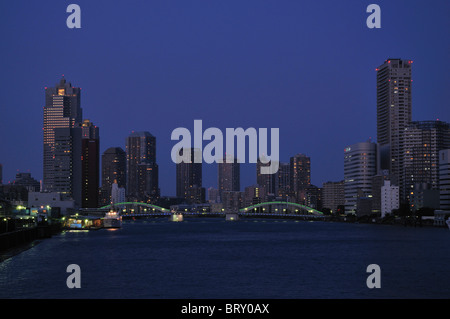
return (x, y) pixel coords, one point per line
(297, 207)
(153, 207)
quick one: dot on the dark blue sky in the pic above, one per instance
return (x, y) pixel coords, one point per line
(306, 67)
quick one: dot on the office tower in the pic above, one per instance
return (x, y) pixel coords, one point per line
(389, 198)
(90, 164)
(188, 175)
(140, 149)
(423, 141)
(268, 181)
(1, 174)
(113, 170)
(67, 171)
(283, 183)
(333, 195)
(394, 113)
(444, 179)
(300, 167)
(228, 175)
(360, 165)
(61, 111)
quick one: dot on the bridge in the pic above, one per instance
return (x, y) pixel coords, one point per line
(275, 209)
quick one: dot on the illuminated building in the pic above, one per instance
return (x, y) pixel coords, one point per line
(61, 111)
(300, 168)
(359, 167)
(423, 141)
(394, 114)
(444, 179)
(140, 149)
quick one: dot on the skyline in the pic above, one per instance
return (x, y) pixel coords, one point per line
(215, 81)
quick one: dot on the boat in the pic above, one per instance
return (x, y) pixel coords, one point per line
(112, 219)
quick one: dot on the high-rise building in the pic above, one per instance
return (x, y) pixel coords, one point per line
(148, 181)
(300, 167)
(333, 195)
(140, 149)
(394, 113)
(423, 142)
(188, 174)
(229, 175)
(113, 170)
(67, 168)
(360, 165)
(90, 164)
(283, 184)
(268, 181)
(444, 179)
(1, 174)
(62, 110)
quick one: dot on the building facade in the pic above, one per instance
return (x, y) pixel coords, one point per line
(113, 171)
(189, 175)
(62, 110)
(444, 179)
(423, 142)
(140, 149)
(333, 195)
(229, 175)
(360, 165)
(394, 114)
(390, 198)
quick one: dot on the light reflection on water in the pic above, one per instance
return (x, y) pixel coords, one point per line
(250, 258)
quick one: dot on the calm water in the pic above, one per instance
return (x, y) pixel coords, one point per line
(212, 258)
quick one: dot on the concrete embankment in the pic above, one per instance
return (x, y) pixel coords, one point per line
(22, 237)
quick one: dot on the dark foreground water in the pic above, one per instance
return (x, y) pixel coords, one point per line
(212, 258)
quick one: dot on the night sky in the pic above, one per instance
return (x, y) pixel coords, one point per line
(305, 67)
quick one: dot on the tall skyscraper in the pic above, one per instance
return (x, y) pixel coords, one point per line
(61, 111)
(300, 167)
(394, 113)
(229, 175)
(423, 141)
(360, 165)
(90, 164)
(188, 175)
(141, 149)
(113, 170)
(1, 174)
(444, 179)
